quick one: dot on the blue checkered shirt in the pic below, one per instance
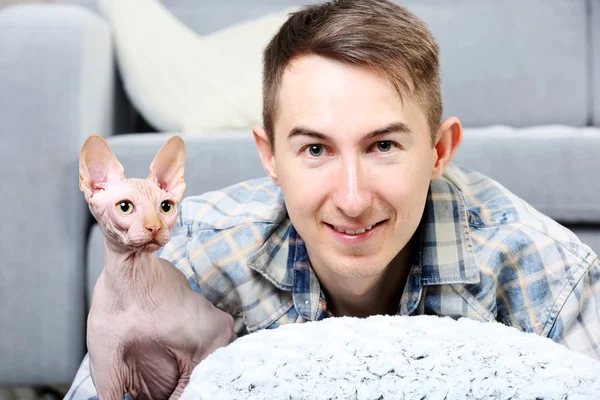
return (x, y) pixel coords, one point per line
(484, 254)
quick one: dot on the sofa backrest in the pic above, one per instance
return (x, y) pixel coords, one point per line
(502, 62)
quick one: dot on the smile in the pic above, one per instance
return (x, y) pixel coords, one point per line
(354, 232)
(351, 235)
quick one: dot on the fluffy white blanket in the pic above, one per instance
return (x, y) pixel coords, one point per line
(422, 357)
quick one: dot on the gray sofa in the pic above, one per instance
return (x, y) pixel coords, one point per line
(523, 76)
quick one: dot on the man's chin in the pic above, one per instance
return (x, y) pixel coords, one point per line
(353, 265)
(356, 272)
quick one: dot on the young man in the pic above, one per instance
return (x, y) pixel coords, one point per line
(363, 212)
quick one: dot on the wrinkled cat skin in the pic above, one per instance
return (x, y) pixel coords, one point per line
(147, 329)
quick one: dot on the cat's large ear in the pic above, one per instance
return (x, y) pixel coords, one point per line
(167, 168)
(98, 166)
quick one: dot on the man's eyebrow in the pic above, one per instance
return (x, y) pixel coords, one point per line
(394, 127)
(303, 131)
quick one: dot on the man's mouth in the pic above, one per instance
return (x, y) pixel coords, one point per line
(354, 230)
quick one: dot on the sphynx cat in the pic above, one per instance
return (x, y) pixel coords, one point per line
(147, 329)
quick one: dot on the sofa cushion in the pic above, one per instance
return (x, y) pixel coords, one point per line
(554, 167)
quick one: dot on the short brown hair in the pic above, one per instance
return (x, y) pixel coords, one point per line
(370, 33)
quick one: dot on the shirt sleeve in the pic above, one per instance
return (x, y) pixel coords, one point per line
(209, 259)
(578, 323)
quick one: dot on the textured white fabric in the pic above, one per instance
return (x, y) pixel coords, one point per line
(420, 357)
(181, 81)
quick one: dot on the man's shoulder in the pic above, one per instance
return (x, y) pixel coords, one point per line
(231, 245)
(529, 264)
(255, 201)
(496, 213)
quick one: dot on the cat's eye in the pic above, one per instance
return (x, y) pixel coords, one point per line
(166, 207)
(125, 207)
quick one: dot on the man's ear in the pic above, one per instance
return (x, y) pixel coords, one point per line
(266, 151)
(447, 140)
(167, 167)
(98, 166)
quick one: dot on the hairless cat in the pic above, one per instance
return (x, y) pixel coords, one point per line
(147, 329)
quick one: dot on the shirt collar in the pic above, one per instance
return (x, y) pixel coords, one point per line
(446, 250)
(283, 260)
(445, 254)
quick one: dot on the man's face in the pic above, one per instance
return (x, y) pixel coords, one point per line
(354, 162)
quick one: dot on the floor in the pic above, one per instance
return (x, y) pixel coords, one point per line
(30, 393)
(6, 3)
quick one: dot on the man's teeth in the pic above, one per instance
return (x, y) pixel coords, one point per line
(356, 232)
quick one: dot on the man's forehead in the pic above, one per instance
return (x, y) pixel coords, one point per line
(313, 78)
(319, 92)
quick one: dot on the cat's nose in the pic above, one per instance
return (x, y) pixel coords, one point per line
(153, 228)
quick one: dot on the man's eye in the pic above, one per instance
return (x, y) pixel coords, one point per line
(315, 150)
(384, 146)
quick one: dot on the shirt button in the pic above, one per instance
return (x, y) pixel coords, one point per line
(305, 301)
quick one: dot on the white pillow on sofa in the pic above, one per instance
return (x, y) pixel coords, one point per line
(181, 81)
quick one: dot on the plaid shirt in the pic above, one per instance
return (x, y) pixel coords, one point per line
(485, 254)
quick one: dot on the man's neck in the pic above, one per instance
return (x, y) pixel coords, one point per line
(377, 295)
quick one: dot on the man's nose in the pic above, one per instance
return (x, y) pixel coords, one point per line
(352, 193)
